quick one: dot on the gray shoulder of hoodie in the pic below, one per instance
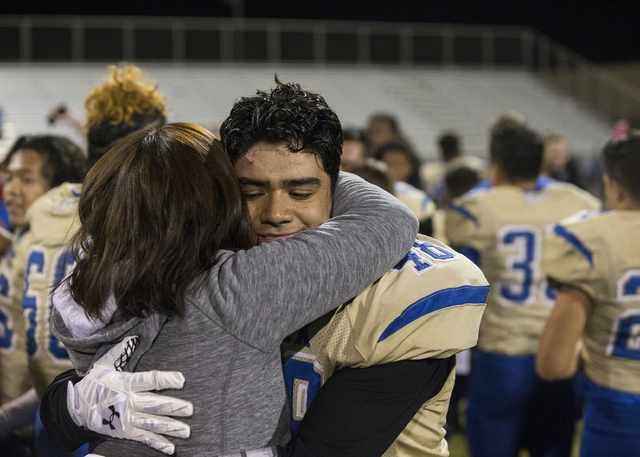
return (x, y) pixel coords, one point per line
(265, 293)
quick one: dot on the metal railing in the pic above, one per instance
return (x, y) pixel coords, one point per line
(83, 39)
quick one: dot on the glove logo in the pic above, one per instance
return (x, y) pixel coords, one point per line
(114, 413)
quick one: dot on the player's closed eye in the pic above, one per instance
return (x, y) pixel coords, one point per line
(252, 195)
(301, 195)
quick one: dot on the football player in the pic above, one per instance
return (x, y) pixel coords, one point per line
(53, 219)
(500, 225)
(33, 165)
(593, 259)
(386, 356)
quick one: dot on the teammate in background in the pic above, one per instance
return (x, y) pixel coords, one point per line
(403, 167)
(354, 159)
(593, 259)
(125, 102)
(432, 173)
(500, 227)
(376, 173)
(355, 149)
(458, 182)
(287, 192)
(33, 165)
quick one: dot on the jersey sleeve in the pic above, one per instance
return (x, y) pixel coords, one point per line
(570, 257)
(429, 306)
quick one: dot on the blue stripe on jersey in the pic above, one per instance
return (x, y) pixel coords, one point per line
(465, 213)
(574, 241)
(436, 301)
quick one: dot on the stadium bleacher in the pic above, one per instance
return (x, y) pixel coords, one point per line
(425, 100)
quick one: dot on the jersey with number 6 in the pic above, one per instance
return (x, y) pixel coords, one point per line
(52, 221)
(428, 306)
(14, 373)
(502, 227)
(599, 253)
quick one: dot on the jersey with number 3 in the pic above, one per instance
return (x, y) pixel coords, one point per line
(52, 221)
(428, 306)
(599, 253)
(503, 228)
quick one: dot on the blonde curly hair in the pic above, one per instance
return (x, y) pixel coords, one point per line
(126, 92)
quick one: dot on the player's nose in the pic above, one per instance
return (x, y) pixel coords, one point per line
(276, 210)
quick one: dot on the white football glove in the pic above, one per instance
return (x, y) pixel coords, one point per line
(110, 402)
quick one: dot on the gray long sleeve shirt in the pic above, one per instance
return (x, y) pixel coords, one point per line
(227, 346)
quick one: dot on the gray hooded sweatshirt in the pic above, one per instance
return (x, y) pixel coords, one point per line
(227, 346)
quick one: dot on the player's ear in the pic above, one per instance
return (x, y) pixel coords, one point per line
(496, 176)
(615, 194)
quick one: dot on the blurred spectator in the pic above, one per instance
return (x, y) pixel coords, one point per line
(557, 163)
(459, 181)
(62, 113)
(355, 148)
(383, 129)
(376, 173)
(402, 163)
(417, 201)
(510, 118)
(433, 173)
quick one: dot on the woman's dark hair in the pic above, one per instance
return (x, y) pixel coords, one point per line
(403, 148)
(62, 159)
(288, 114)
(155, 210)
(518, 151)
(621, 159)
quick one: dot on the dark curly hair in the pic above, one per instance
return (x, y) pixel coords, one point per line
(621, 158)
(63, 160)
(288, 114)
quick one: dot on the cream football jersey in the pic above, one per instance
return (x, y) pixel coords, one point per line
(428, 306)
(53, 220)
(14, 373)
(416, 200)
(599, 253)
(503, 227)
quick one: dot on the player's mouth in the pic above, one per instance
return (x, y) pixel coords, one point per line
(271, 238)
(13, 207)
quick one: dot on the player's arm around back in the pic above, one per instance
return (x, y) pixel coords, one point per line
(284, 285)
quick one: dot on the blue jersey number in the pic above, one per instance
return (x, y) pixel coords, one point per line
(521, 283)
(421, 255)
(303, 380)
(7, 340)
(625, 341)
(31, 299)
(64, 266)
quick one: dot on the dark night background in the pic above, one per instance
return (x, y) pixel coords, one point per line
(603, 31)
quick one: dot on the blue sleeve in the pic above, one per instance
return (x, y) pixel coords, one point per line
(470, 253)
